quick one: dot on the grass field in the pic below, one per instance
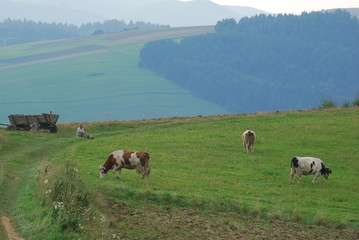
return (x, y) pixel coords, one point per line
(94, 79)
(203, 185)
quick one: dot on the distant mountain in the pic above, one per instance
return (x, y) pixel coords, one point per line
(164, 12)
(46, 13)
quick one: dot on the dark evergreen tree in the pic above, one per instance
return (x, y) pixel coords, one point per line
(265, 63)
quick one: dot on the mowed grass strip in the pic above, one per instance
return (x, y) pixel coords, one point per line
(204, 162)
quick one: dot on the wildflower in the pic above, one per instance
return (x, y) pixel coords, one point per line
(59, 205)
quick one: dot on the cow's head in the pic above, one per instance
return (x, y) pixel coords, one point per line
(103, 171)
(326, 173)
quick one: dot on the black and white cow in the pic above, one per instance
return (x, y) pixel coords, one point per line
(307, 166)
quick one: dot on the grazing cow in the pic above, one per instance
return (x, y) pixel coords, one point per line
(127, 159)
(308, 165)
(249, 138)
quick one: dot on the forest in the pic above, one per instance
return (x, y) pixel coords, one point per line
(23, 31)
(266, 62)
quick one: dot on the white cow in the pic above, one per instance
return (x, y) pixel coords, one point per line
(307, 166)
(249, 138)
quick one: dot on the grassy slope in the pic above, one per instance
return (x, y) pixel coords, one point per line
(199, 164)
(103, 85)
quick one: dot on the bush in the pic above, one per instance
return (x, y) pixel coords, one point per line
(327, 103)
(356, 101)
(346, 104)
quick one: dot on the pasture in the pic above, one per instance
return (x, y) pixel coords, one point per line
(97, 74)
(203, 184)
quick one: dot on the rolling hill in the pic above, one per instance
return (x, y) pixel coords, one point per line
(94, 78)
(203, 185)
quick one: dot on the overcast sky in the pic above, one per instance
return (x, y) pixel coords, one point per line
(291, 6)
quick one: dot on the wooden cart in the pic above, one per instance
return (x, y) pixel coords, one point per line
(33, 122)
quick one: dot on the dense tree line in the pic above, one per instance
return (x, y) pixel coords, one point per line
(22, 31)
(266, 62)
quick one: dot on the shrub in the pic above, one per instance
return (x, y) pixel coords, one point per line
(327, 103)
(356, 101)
(346, 104)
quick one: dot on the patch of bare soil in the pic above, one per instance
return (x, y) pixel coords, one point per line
(9, 230)
(125, 222)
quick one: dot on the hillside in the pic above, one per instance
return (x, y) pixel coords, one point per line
(266, 62)
(203, 185)
(94, 78)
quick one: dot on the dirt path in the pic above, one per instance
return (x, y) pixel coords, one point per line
(28, 152)
(9, 230)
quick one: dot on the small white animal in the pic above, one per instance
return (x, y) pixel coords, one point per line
(249, 138)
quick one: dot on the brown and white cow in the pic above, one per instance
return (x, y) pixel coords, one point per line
(249, 138)
(127, 159)
(306, 166)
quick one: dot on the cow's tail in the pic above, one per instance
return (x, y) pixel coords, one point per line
(294, 163)
(250, 134)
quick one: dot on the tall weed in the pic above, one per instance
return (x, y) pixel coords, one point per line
(62, 190)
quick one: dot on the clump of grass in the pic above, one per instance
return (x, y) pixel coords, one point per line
(319, 219)
(3, 139)
(256, 210)
(297, 215)
(342, 224)
(276, 214)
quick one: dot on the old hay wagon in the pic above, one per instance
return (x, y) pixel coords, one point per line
(33, 122)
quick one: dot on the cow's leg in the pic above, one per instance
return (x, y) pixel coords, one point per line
(252, 148)
(291, 175)
(147, 173)
(299, 174)
(316, 175)
(119, 173)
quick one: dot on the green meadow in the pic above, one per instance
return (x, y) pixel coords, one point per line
(94, 79)
(200, 174)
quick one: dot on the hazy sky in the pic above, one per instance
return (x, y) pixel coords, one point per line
(291, 6)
